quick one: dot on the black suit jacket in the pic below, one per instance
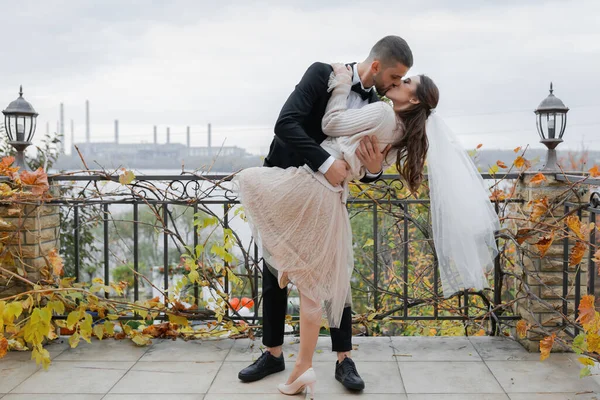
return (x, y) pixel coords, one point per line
(298, 132)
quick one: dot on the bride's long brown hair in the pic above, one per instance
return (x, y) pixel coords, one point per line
(412, 147)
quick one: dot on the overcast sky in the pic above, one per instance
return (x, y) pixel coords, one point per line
(233, 63)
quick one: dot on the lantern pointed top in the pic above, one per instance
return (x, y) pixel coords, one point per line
(551, 103)
(21, 91)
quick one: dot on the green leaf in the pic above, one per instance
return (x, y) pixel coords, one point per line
(585, 372)
(368, 243)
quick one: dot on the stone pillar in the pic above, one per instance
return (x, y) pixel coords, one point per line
(27, 235)
(545, 274)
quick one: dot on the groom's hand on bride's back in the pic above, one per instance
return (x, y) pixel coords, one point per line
(336, 174)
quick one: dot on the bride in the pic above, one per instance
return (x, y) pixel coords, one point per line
(302, 223)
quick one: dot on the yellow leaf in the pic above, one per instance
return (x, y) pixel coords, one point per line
(176, 319)
(141, 340)
(540, 207)
(519, 161)
(586, 361)
(493, 170)
(99, 331)
(74, 340)
(368, 243)
(546, 346)
(593, 342)
(73, 318)
(41, 356)
(126, 177)
(12, 310)
(109, 327)
(574, 224)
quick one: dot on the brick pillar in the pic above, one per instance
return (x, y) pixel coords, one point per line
(27, 233)
(546, 275)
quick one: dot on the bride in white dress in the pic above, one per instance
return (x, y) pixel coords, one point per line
(300, 219)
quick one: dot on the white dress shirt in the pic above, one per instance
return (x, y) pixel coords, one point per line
(354, 101)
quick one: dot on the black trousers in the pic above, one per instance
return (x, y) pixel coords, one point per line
(274, 310)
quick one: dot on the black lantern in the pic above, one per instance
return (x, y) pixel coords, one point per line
(19, 123)
(551, 123)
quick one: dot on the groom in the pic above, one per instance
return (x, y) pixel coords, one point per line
(298, 135)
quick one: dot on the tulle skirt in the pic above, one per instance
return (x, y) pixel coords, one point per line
(304, 230)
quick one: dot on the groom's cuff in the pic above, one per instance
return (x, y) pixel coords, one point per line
(372, 176)
(326, 165)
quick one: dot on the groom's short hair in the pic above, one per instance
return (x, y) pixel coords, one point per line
(391, 50)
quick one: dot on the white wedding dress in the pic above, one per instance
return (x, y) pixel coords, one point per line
(300, 220)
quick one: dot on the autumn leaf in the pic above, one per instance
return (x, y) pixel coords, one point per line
(37, 180)
(586, 310)
(519, 161)
(498, 195)
(594, 172)
(126, 177)
(574, 223)
(501, 164)
(5, 167)
(493, 170)
(523, 234)
(538, 178)
(544, 244)
(3, 346)
(479, 146)
(518, 149)
(5, 190)
(522, 328)
(546, 346)
(56, 262)
(540, 207)
(577, 253)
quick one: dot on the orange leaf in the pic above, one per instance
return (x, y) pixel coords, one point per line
(519, 162)
(540, 207)
(5, 167)
(523, 234)
(596, 258)
(522, 328)
(544, 244)
(501, 164)
(56, 262)
(586, 310)
(235, 303)
(594, 172)
(3, 346)
(574, 223)
(518, 149)
(538, 178)
(247, 302)
(479, 146)
(498, 195)
(38, 180)
(577, 253)
(546, 345)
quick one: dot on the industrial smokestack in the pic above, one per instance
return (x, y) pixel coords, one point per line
(168, 135)
(72, 134)
(116, 131)
(209, 140)
(62, 127)
(87, 121)
(188, 137)
(155, 135)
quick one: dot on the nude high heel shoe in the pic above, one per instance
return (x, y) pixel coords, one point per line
(306, 380)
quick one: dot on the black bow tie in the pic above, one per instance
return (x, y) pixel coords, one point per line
(357, 88)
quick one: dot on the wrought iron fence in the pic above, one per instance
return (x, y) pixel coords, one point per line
(379, 264)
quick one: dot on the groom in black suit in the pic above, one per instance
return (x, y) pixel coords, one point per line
(297, 140)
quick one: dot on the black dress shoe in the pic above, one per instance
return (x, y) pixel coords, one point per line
(266, 365)
(346, 373)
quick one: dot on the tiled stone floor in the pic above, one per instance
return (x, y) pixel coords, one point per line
(399, 368)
